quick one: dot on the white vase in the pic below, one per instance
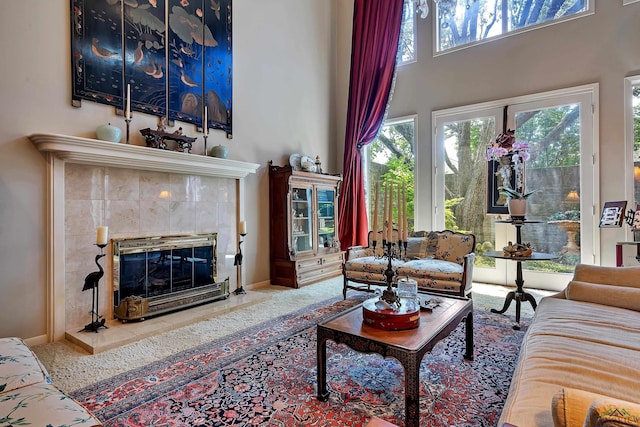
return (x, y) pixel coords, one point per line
(517, 208)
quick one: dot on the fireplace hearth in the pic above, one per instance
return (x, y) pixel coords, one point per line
(156, 275)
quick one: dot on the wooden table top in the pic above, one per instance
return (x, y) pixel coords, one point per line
(432, 323)
(535, 256)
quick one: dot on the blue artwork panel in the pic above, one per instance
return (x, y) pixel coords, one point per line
(96, 57)
(175, 56)
(200, 62)
(218, 66)
(145, 55)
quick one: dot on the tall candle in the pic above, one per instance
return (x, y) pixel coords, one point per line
(205, 122)
(384, 215)
(101, 236)
(390, 218)
(375, 215)
(242, 228)
(404, 215)
(127, 111)
(399, 213)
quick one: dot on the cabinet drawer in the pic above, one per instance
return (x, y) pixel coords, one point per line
(319, 262)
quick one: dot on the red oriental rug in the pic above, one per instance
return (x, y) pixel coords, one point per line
(266, 375)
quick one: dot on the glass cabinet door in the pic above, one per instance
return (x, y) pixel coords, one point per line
(301, 219)
(326, 217)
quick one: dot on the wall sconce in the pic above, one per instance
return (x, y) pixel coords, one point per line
(636, 173)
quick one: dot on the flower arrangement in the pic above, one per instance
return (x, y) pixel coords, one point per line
(504, 145)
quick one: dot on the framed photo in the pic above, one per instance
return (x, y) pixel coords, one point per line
(613, 214)
(635, 225)
(497, 173)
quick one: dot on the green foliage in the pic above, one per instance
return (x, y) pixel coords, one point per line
(572, 215)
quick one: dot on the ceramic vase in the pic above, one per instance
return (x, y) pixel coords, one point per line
(219, 151)
(518, 208)
(109, 133)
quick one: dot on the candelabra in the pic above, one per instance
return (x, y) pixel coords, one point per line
(128, 122)
(391, 251)
(91, 282)
(238, 263)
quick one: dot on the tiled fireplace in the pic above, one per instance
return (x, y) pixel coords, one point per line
(136, 192)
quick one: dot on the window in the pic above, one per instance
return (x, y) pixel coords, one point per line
(632, 135)
(406, 45)
(559, 128)
(388, 159)
(465, 22)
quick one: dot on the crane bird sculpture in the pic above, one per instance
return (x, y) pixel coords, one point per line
(91, 282)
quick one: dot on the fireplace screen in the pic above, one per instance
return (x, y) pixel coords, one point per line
(164, 273)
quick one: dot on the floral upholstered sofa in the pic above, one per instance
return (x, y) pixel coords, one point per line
(27, 396)
(440, 261)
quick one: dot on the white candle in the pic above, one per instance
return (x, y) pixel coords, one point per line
(390, 219)
(385, 214)
(127, 111)
(375, 215)
(404, 215)
(242, 228)
(205, 122)
(399, 213)
(101, 237)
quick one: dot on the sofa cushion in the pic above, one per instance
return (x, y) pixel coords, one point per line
(573, 344)
(619, 276)
(435, 269)
(43, 405)
(454, 246)
(614, 296)
(607, 412)
(19, 367)
(416, 247)
(570, 406)
(370, 264)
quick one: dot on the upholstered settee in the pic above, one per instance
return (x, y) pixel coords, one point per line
(440, 261)
(579, 364)
(27, 395)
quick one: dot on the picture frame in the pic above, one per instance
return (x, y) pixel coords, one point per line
(496, 202)
(613, 214)
(635, 224)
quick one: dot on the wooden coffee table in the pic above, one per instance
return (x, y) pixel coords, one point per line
(408, 346)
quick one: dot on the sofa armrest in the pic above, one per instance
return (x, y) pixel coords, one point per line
(357, 252)
(609, 295)
(467, 273)
(617, 276)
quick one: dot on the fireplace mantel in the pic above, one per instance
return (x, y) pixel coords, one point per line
(112, 154)
(61, 150)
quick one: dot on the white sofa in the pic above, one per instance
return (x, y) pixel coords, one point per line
(27, 395)
(579, 364)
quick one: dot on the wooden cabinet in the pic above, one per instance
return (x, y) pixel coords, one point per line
(303, 241)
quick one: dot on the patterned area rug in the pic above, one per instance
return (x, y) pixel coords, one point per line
(266, 375)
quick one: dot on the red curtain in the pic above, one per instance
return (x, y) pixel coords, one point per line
(376, 31)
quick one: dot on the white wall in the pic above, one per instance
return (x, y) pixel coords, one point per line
(284, 66)
(600, 48)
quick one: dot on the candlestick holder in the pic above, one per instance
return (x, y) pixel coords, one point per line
(205, 144)
(128, 122)
(91, 282)
(391, 251)
(238, 263)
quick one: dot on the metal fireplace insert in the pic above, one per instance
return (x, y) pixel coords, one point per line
(155, 275)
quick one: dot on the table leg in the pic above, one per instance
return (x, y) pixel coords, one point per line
(323, 394)
(412, 391)
(507, 302)
(468, 329)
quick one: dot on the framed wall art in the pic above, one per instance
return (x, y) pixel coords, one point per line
(175, 56)
(499, 173)
(613, 214)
